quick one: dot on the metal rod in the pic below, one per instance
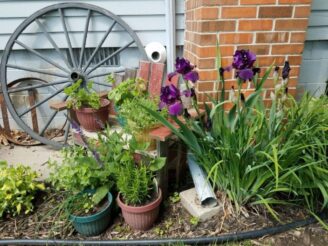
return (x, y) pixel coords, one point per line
(43, 28)
(114, 54)
(36, 70)
(41, 56)
(99, 45)
(67, 37)
(84, 37)
(36, 86)
(170, 21)
(106, 73)
(41, 102)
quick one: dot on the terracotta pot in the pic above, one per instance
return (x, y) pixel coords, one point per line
(140, 217)
(91, 119)
(143, 137)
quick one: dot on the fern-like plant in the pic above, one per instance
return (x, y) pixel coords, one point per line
(135, 183)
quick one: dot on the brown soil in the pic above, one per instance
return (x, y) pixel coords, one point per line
(101, 206)
(174, 222)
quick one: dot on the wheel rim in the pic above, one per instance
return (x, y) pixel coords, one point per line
(72, 65)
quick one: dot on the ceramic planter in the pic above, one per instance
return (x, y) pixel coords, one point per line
(91, 119)
(94, 224)
(140, 217)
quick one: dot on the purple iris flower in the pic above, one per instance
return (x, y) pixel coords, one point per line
(169, 94)
(245, 74)
(171, 75)
(192, 76)
(176, 108)
(286, 70)
(183, 67)
(243, 59)
(170, 98)
(189, 93)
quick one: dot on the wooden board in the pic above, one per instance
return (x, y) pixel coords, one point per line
(156, 78)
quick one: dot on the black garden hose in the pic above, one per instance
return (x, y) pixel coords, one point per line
(232, 237)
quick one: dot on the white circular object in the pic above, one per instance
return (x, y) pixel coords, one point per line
(156, 52)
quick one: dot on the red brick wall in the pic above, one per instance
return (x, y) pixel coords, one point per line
(273, 29)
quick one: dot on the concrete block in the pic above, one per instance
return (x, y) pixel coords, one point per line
(191, 203)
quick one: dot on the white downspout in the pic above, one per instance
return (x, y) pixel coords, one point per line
(170, 14)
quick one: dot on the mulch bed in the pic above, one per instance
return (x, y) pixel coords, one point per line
(174, 222)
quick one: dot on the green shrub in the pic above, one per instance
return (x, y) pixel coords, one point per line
(127, 90)
(18, 186)
(137, 118)
(300, 153)
(79, 171)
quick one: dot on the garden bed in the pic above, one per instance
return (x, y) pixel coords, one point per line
(174, 222)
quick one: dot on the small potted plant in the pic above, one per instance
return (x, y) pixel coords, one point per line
(139, 196)
(90, 211)
(87, 182)
(91, 110)
(138, 121)
(127, 90)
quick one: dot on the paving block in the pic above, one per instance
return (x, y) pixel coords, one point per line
(191, 203)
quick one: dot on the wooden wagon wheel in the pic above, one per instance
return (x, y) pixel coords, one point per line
(52, 25)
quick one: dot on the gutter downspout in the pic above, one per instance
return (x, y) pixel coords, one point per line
(170, 17)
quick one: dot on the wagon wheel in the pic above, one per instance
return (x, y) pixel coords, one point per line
(82, 30)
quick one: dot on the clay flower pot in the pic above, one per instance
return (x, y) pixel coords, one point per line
(91, 119)
(140, 217)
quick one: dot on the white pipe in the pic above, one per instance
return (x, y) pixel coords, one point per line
(170, 14)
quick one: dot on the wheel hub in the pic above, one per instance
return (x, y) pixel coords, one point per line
(78, 75)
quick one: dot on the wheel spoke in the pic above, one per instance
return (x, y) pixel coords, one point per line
(104, 84)
(109, 57)
(84, 37)
(25, 88)
(41, 102)
(37, 70)
(67, 37)
(106, 73)
(43, 28)
(42, 56)
(50, 120)
(66, 131)
(99, 46)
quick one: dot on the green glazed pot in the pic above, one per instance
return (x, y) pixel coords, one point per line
(93, 225)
